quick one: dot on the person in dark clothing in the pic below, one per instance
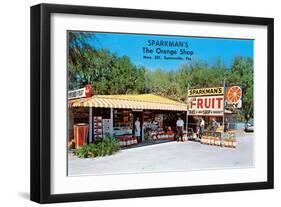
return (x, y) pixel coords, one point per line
(214, 126)
(226, 125)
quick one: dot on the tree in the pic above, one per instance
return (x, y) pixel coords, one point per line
(109, 73)
(242, 74)
(126, 77)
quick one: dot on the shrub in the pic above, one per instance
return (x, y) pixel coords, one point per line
(85, 151)
(106, 146)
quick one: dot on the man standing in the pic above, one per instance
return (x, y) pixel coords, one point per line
(202, 127)
(137, 129)
(226, 125)
(180, 125)
(214, 126)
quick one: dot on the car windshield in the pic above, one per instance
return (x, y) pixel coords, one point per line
(251, 121)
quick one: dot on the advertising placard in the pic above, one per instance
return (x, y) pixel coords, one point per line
(205, 105)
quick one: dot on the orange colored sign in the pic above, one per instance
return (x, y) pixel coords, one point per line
(233, 94)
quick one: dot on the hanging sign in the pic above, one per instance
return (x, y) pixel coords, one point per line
(80, 93)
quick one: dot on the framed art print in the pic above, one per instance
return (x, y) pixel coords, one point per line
(134, 103)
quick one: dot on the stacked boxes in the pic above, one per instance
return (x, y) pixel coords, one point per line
(127, 140)
(161, 135)
(229, 140)
(219, 139)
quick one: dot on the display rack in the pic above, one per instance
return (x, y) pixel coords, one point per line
(97, 127)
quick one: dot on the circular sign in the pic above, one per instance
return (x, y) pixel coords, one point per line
(233, 94)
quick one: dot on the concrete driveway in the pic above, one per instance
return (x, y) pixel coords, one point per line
(170, 156)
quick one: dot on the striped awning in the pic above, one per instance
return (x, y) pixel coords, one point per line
(136, 102)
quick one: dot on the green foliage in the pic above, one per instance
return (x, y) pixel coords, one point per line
(242, 74)
(162, 83)
(86, 151)
(110, 74)
(107, 146)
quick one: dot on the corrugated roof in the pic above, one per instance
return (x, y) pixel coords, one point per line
(140, 101)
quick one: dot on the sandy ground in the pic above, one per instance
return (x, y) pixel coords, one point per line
(170, 156)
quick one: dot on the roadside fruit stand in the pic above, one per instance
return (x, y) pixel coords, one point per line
(119, 113)
(92, 118)
(211, 105)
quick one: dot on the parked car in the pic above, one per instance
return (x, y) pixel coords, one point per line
(249, 126)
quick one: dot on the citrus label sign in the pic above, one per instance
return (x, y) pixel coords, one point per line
(233, 97)
(233, 94)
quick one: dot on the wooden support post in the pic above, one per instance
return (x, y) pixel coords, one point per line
(111, 122)
(90, 124)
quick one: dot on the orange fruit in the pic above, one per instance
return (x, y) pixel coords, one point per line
(233, 94)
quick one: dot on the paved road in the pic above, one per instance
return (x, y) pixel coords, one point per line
(171, 156)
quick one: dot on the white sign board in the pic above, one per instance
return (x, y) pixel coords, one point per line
(205, 105)
(78, 93)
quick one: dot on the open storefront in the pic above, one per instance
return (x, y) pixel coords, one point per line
(117, 115)
(208, 116)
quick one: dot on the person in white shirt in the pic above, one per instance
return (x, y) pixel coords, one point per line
(137, 129)
(180, 125)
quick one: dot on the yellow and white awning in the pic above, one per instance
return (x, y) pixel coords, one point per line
(143, 101)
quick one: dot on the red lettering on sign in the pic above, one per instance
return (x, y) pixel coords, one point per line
(207, 103)
(219, 99)
(192, 103)
(200, 103)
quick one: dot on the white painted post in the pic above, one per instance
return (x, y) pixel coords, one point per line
(111, 122)
(187, 111)
(223, 112)
(186, 121)
(142, 134)
(90, 124)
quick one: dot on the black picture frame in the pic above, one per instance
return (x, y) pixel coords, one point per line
(41, 96)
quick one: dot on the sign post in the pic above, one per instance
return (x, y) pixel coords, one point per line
(187, 110)
(90, 125)
(223, 114)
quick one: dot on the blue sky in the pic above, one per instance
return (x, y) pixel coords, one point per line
(204, 49)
